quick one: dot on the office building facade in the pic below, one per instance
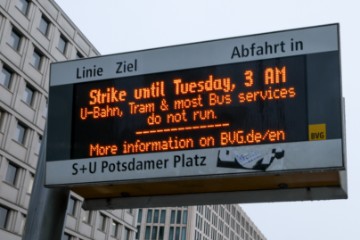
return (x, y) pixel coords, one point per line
(34, 33)
(210, 222)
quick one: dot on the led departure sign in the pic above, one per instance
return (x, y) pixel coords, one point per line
(206, 117)
(218, 106)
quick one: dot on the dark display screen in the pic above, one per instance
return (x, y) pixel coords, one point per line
(228, 105)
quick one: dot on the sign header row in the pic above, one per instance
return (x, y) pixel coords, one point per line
(233, 50)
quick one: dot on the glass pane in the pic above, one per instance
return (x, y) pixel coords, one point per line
(20, 133)
(5, 77)
(137, 232)
(22, 222)
(3, 216)
(31, 183)
(163, 216)
(139, 215)
(86, 215)
(36, 60)
(14, 40)
(79, 55)
(39, 144)
(161, 233)
(156, 216)
(178, 217)
(44, 25)
(183, 233)
(114, 228)
(177, 234)
(172, 217)
(171, 233)
(28, 95)
(149, 216)
(62, 44)
(11, 174)
(71, 206)
(147, 233)
(127, 234)
(23, 5)
(184, 220)
(154, 233)
(101, 223)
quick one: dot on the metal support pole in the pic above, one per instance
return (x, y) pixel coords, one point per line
(47, 208)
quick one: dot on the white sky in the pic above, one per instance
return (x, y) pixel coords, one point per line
(115, 26)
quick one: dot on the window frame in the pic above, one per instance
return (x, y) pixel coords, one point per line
(114, 231)
(4, 218)
(62, 44)
(71, 207)
(8, 76)
(37, 59)
(101, 226)
(31, 183)
(21, 139)
(29, 95)
(15, 39)
(14, 170)
(25, 6)
(79, 55)
(87, 215)
(44, 25)
(2, 119)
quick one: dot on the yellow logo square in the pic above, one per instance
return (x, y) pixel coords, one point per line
(317, 132)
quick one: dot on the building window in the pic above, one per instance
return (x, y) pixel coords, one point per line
(2, 119)
(172, 216)
(39, 143)
(114, 229)
(6, 76)
(161, 233)
(22, 223)
(62, 44)
(156, 216)
(183, 233)
(15, 40)
(44, 25)
(29, 95)
(20, 133)
(66, 237)
(11, 174)
(46, 108)
(138, 229)
(102, 222)
(71, 209)
(4, 217)
(2, 116)
(171, 233)
(87, 216)
(147, 233)
(149, 216)
(79, 55)
(163, 216)
(127, 234)
(36, 59)
(139, 216)
(31, 183)
(154, 232)
(23, 6)
(178, 217)
(177, 233)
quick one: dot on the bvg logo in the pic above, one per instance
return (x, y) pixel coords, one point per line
(317, 132)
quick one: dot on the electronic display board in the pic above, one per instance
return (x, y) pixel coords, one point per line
(253, 105)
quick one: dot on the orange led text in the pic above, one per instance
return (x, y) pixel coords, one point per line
(102, 150)
(111, 95)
